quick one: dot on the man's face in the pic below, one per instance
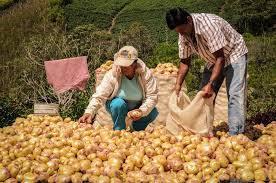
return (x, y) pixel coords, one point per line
(185, 29)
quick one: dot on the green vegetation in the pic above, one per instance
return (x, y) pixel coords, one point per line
(256, 17)
(56, 10)
(7, 3)
(152, 13)
(33, 31)
(97, 12)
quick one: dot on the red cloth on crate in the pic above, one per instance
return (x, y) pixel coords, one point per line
(66, 74)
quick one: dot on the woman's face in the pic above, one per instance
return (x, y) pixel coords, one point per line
(129, 71)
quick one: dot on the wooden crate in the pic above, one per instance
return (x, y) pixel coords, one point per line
(46, 109)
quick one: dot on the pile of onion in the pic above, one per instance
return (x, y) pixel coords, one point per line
(53, 149)
(166, 69)
(105, 67)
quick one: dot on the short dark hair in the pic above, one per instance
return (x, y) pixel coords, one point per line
(176, 16)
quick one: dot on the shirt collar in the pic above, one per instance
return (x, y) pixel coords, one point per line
(195, 22)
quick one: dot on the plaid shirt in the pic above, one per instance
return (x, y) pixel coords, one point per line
(212, 33)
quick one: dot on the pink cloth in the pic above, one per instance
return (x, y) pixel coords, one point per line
(66, 74)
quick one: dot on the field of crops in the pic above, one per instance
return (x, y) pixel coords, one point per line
(148, 13)
(152, 14)
(97, 12)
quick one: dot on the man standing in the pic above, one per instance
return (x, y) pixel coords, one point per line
(225, 52)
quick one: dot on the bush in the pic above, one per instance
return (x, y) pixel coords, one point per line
(11, 108)
(255, 17)
(262, 74)
(56, 14)
(4, 4)
(56, 10)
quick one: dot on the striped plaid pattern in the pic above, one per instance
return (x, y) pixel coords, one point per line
(212, 33)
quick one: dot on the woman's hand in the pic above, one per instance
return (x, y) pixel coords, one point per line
(86, 118)
(135, 114)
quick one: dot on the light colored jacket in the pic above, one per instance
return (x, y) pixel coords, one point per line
(111, 83)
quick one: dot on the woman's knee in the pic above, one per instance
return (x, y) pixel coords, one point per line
(118, 105)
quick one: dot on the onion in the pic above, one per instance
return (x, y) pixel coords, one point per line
(242, 157)
(272, 173)
(260, 175)
(115, 162)
(204, 149)
(223, 161)
(212, 180)
(160, 159)
(103, 179)
(159, 150)
(52, 164)
(231, 170)
(94, 171)
(97, 163)
(76, 178)
(166, 145)
(103, 155)
(86, 178)
(230, 154)
(19, 177)
(66, 170)
(67, 120)
(111, 171)
(175, 164)
(4, 174)
(153, 168)
(239, 164)
(76, 166)
(191, 146)
(191, 167)
(30, 177)
(207, 171)
(63, 179)
(182, 176)
(77, 144)
(11, 180)
(85, 165)
(127, 167)
(42, 177)
(13, 170)
(115, 180)
(247, 175)
(41, 168)
(150, 152)
(251, 153)
(91, 156)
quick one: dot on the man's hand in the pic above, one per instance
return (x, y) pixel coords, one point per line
(177, 89)
(86, 118)
(208, 91)
(135, 114)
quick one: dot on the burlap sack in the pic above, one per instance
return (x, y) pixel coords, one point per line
(165, 84)
(195, 116)
(221, 104)
(102, 117)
